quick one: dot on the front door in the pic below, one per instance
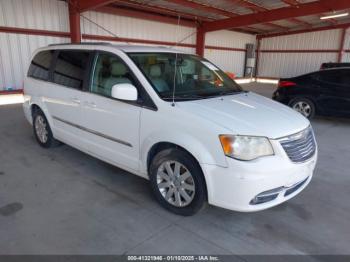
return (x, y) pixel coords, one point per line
(111, 126)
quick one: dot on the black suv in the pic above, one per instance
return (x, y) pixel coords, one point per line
(326, 92)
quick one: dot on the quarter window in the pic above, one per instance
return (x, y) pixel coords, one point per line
(40, 65)
(109, 71)
(336, 76)
(70, 68)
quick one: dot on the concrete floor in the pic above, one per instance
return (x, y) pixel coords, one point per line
(62, 201)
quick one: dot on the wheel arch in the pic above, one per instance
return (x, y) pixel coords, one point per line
(160, 146)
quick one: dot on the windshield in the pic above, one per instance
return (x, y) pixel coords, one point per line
(194, 77)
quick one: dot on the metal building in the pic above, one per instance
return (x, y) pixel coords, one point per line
(219, 30)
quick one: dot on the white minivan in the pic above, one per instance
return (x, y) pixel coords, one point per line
(173, 118)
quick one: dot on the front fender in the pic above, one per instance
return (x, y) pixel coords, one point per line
(209, 153)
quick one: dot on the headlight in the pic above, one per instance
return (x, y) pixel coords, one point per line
(246, 147)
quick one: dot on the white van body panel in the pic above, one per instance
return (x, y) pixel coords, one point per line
(123, 134)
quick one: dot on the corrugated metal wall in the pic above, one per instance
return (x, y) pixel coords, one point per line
(16, 49)
(346, 55)
(231, 61)
(284, 62)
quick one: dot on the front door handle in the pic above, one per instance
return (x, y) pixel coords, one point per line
(76, 100)
(90, 104)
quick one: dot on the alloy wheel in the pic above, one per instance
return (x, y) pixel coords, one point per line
(41, 129)
(303, 108)
(175, 183)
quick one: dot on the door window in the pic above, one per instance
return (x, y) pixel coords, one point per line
(40, 65)
(109, 70)
(328, 76)
(70, 68)
(338, 77)
(344, 77)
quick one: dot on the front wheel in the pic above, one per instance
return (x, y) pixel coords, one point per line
(304, 106)
(177, 182)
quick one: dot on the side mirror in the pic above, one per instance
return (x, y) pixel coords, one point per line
(124, 91)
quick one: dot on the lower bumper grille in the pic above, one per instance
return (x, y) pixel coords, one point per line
(295, 188)
(272, 194)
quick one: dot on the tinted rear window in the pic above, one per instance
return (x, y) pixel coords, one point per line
(40, 65)
(70, 68)
(341, 76)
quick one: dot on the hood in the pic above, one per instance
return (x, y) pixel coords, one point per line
(248, 114)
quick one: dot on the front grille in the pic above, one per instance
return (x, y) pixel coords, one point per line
(301, 146)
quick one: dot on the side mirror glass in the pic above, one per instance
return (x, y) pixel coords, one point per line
(124, 91)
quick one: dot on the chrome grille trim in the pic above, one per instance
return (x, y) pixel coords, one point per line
(301, 146)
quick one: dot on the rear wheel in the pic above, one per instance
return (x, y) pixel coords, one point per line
(304, 106)
(42, 130)
(177, 182)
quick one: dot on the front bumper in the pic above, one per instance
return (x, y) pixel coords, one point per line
(236, 186)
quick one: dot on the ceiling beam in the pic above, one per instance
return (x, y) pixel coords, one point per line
(86, 5)
(257, 8)
(145, 15)
(311, 8)
(202, 7)
(162, 10)
(211, 9)
(315, 29)
(296, 3)
(183, 14)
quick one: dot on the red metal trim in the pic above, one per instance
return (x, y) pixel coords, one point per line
(296, 4)
(85, 5)
(200, 41)
(74, 22)
(206, 8)
(134, 40)
(323, 28)
(341, 45)
(258, 50)
(11, 92)
(310, 8)
(225, 48)
(145, 16)
(300, 51)
(26, 31)
(160, 10)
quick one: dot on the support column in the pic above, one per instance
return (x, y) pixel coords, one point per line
(200, 41)
(74, 22)
(258, 39)
(341, 46)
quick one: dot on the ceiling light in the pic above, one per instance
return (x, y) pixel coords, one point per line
(334, 16)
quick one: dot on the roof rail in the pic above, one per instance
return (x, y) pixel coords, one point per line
(83, 43)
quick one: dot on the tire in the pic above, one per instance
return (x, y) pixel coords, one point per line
(304, 106)
(42, 130)
(187, 188)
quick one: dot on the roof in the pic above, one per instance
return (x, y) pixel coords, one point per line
(124, 48)
(204, 11)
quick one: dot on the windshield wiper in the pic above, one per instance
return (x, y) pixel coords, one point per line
(227, 93)
(184, 97)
